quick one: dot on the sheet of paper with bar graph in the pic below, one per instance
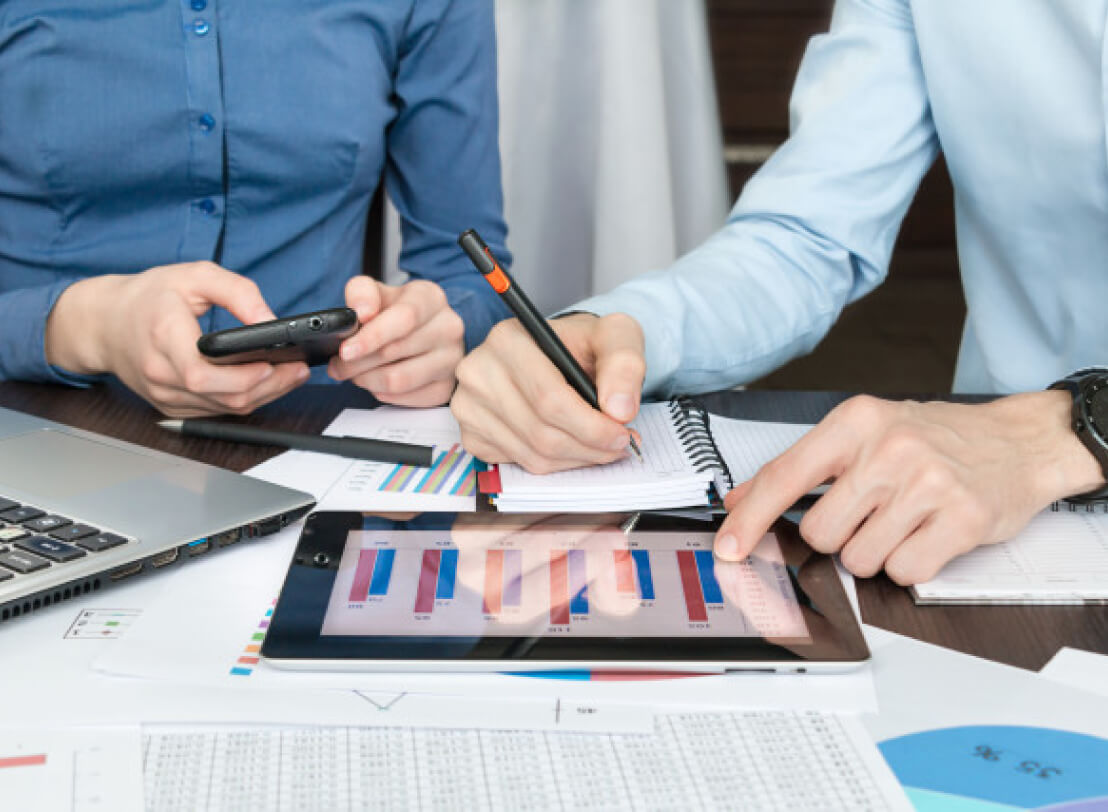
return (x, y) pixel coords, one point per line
(449, 484)
(763, 760)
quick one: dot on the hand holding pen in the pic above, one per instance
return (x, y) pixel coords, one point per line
(510, 407)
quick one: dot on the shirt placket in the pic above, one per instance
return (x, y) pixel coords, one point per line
(206, 208)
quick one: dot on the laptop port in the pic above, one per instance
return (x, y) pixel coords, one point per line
(199, 547)
(266, 526)
(126, 572)
(227, 538)
(164, 559)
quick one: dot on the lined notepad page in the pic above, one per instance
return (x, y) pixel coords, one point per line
(747, 445)
(664, 478)
(1060, 557)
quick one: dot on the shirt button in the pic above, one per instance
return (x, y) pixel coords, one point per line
(199, 5)
(201, 27)
(207, 205)
(206, 122)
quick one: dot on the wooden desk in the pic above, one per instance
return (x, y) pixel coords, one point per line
(1018, 635)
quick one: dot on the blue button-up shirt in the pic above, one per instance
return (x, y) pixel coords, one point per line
(1016, 96)
(134, 135)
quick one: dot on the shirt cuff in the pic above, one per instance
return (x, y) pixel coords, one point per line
(23, 337)
(479, 307)
(662, 348)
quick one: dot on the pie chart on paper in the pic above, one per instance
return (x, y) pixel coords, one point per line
(1001, 769)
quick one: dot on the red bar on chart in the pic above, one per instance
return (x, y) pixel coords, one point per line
(559, 588)
(363, 574)
(22, 761)
(625, 576)
(428, 578)
(690, 582)
(494, 581)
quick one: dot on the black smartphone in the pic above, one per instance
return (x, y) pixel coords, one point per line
(310, 337)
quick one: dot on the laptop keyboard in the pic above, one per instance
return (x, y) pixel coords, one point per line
(32, 539)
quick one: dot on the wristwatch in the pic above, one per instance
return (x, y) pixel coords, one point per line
(1089, 420)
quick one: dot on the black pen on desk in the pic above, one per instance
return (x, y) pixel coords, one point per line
(532, 320)
(359, 448)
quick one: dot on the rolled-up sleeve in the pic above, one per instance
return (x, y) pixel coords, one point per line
(813, 230)
(443, 170)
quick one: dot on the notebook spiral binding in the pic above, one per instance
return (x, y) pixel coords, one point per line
(694, 430)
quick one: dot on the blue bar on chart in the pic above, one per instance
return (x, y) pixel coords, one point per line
(578, 583)
(646, 580)
(448, 569)
(382, 572)
(706, 566)
(513, 578)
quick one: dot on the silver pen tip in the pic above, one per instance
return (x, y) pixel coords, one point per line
(172, 425)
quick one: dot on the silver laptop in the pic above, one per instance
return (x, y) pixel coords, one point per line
(80, 511)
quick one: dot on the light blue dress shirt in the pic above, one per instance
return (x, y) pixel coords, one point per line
(137, 134)
(1016, 96)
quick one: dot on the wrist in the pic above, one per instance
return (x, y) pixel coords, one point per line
(74, 328)
(1061, 465)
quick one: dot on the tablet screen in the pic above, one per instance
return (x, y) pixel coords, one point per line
(541, 591)
(559, 579)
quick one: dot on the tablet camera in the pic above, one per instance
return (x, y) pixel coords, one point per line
(315, 323)
(321, 559)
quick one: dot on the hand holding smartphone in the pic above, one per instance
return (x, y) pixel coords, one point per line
(310, 337)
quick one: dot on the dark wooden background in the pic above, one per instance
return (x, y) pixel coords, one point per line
(904, 336)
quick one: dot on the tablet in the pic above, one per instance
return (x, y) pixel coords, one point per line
(518, 592)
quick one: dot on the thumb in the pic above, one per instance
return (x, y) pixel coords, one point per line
(620, 366)
(366, 297)
(213, 285)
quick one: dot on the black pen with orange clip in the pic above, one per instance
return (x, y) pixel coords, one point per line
(532, 321)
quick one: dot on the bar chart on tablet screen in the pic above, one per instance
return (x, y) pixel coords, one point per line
(462, 584)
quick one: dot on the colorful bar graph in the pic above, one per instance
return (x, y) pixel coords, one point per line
(513, 577)
(448, 571)
(578, 583)
(646, 579)
(559, 588)
(467, 482)
(441, 469)
(428, 581)
(494, 581)
(709, 586)
(363, 573)
(690, 583)
(625, 575)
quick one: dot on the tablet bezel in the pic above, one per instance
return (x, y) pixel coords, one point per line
(294, 637)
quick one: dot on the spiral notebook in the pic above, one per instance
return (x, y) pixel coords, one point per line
(690, 459)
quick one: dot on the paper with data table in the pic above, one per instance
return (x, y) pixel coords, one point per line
(449, 484)
(766, 760)
(1060, 557)
(207, 628)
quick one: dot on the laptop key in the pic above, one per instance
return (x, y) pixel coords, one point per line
(21, 514)
(72, 532)
(12, 533)
(23, 563)
(50, 548)
(105, 541)
(7, 504)
(44, 524)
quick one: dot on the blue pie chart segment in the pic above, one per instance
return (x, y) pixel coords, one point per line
(1001, 767)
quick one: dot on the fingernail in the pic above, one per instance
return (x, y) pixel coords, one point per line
(350, 352)
(619, 443)
(727, 546)
(363, 311)
(268, 372)
(620, 406)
